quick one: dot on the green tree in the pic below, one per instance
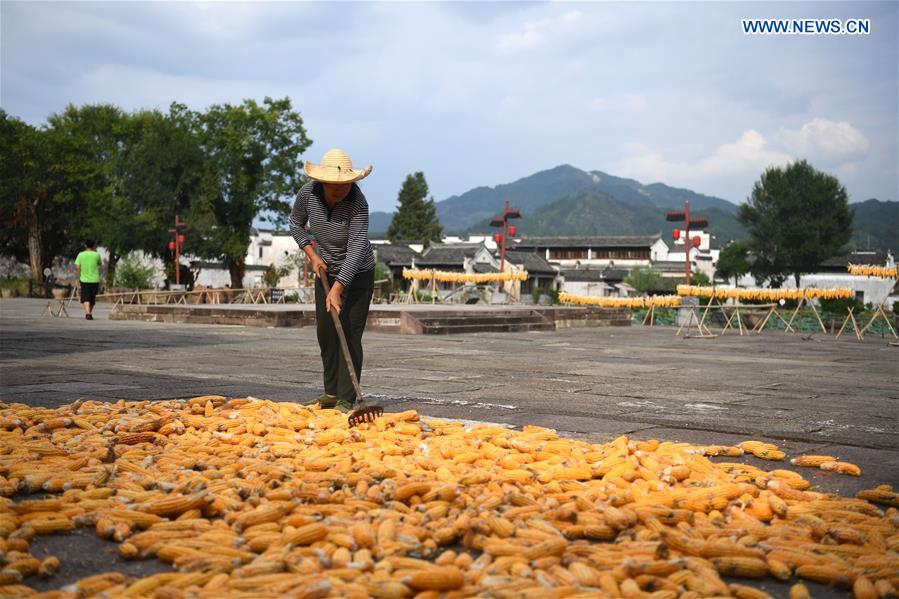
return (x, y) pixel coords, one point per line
(797, 217)
(733, 261)
(251, 164)
(134, 274)
(416, 216)
(38, 210)
(645, 280)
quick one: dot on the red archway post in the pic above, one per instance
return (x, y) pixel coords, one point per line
(684, 217)
(175, 246)
(503, 222)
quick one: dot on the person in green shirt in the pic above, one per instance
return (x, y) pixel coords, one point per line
(87, 268)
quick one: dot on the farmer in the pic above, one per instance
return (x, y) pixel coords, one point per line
(337, 216)
(87, 269)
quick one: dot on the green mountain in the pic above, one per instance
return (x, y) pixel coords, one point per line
(876, 225)
(469, 211)
(568, 201)
(378, 223)
(590, 213)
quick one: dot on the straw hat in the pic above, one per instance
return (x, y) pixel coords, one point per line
(336, 167)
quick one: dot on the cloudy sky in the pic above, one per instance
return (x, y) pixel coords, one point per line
(478, 93)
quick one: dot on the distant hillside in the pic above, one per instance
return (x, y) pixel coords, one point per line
(876, 225)
(469, 211)
(589, 213)
(378, 223)
(568, 201)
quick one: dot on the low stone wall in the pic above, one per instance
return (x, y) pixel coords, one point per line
(414, 320)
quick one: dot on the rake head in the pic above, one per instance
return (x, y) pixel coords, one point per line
(365, 414)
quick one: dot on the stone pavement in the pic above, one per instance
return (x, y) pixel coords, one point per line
(817, 395)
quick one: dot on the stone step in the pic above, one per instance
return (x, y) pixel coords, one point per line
(494, 327)
(485, 319)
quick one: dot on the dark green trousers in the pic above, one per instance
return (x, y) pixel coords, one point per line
(353, 316)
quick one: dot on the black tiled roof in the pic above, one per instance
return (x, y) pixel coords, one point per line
(612, 241)
(606, 275)
(533, 263)
(451, 254)
(876, 258)
(394, 254)
(669, 266)
(484, 268)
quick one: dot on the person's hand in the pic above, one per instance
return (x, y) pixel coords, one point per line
(334, 299)
(318, 264)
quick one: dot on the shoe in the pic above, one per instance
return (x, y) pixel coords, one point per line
(326, 401)
(88, 316)
(343, 406)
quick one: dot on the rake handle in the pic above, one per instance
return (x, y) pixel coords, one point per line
(344, 348)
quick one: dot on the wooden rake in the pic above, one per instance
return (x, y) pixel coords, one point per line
(362, 413)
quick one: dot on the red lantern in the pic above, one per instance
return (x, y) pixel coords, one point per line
(181, 239)
(512, 230)
(497, 237)
(675, 234)
(696, 241)
(171, 246)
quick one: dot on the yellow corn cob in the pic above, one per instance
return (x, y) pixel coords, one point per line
(45, 526)
(408, 490)
(885, 588)
(306, 535)
(826, 574)
(25, 567)
(49, 566)
(863, 588)
(742, 591)
(172, 506)
(811, 461)
(743, 567)
(883, 494)
(444, 578)
(842, 468)
(779, 569)
(387, 589)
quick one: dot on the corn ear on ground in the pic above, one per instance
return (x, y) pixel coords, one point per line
(252, 498)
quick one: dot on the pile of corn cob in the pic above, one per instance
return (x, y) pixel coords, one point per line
(658, 301)
(251, 498)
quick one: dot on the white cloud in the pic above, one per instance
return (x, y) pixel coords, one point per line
(825, 139)
(749, 154)
(537, 32)
(620, 103)
(835, 146)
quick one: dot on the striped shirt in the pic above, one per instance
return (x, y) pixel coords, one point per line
(341, 232)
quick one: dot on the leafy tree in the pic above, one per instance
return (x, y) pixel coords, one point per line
(272, 274)
(645, 280)
(96, 134)
(38, 210)
(134, 274)
(699, 278)
(251, 163)
(796, 217)
(416, 216)
(733, 262)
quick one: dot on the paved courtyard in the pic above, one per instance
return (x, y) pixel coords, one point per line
(809, 395)
(813, 394)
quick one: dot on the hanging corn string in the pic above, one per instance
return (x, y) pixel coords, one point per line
(443, 276)
(658, 301)
(869, 270)
(766, 295)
